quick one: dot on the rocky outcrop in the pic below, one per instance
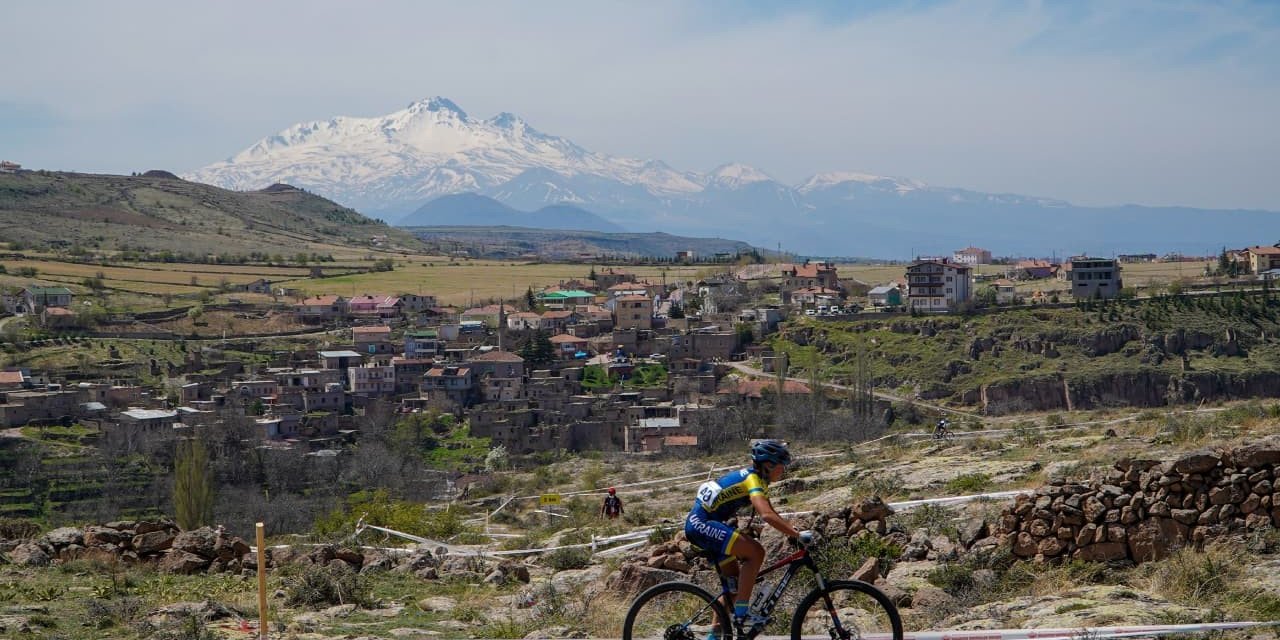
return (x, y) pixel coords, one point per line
(1144, 509)
(1144, 388)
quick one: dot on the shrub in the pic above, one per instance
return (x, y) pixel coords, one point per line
(318, 586)
(562, 559)
(845, 555)
(18, 529)
(969, 483)
(102, 614)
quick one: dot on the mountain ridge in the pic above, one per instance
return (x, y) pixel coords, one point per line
(392, 164)
(473, 209)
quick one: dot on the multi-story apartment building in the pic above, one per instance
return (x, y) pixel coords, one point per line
(937, 285)
(633, 312)
(372, 380)
(1094, 278)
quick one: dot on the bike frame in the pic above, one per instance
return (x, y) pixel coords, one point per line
(793, 563)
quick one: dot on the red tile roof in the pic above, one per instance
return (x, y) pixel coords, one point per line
(498, 356)
(564, 337)
(755, 388)
(1265, 251)
(319, 301)
(11, 377)
(371, 330)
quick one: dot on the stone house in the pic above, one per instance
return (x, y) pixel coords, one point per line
(633, 312)
(321, 308)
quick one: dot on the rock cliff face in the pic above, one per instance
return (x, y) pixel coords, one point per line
(1146, 508)
(1130, 389)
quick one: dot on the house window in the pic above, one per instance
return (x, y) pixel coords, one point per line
(948, 278)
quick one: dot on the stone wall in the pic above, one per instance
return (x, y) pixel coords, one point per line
(1144, 508)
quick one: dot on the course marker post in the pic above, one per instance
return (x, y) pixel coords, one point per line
(262, 581)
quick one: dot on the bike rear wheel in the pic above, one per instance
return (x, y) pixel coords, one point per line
(846, 610)
(676, 611)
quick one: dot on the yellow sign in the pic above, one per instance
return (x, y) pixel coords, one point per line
(549, 499)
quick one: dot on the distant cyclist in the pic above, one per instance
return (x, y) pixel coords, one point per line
(942, 430)
(612, 507)
(739, 557)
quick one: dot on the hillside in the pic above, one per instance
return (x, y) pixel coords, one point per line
(158, 211)
(947, 566)
(1149, 353)
(502, 242)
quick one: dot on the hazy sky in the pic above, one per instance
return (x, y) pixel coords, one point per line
(1098, 103)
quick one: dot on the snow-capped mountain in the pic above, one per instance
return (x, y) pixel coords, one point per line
(428, 149)
(389, 166)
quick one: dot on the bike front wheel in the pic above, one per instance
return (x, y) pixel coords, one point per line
(676, 611)
(846, 610)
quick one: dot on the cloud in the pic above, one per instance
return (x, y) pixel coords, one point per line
(1088, 101)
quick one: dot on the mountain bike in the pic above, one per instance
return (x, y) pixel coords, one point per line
(943, 431)
(833, 610)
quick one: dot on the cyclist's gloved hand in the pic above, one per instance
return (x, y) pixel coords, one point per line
(807, 538)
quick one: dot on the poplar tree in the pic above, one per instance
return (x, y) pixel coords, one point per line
(192, 485)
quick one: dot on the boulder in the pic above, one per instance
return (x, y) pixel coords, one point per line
(183, 562)
(1102, 552)
(64, 536)
(152, 542)
(932, 599)
(634, 577)
(146, 526)
(973, 530)
(102, 537)
(29, 554)
(1196, 462)
(1155, 538)
(869, 571)
(1259, 453)
(201, 542)
(440, 604)
(872, 508)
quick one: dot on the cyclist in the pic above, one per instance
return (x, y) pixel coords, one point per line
(942, 430)
(612, 507)
(739, 557)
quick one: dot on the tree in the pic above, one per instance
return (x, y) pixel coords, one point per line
(530, 302)
(192, 485)
(676, 312)
(538, 351)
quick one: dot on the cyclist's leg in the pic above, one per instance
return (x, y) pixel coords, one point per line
(715, 539)
(730, 569)
(751, 555)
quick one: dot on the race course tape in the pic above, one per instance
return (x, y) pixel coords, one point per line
(1080, 633)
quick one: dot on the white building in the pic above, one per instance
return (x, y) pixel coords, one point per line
(971, 256)
(937, 285)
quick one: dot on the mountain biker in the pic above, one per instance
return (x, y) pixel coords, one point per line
(942, 428)
(739, 557)
(612, 506)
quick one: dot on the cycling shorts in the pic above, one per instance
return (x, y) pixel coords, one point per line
(711, 536)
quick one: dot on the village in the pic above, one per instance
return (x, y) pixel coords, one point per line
(609, 362)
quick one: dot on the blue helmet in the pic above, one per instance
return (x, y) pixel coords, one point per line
(770, 451)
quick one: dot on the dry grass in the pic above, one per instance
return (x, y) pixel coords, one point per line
(460, 283)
